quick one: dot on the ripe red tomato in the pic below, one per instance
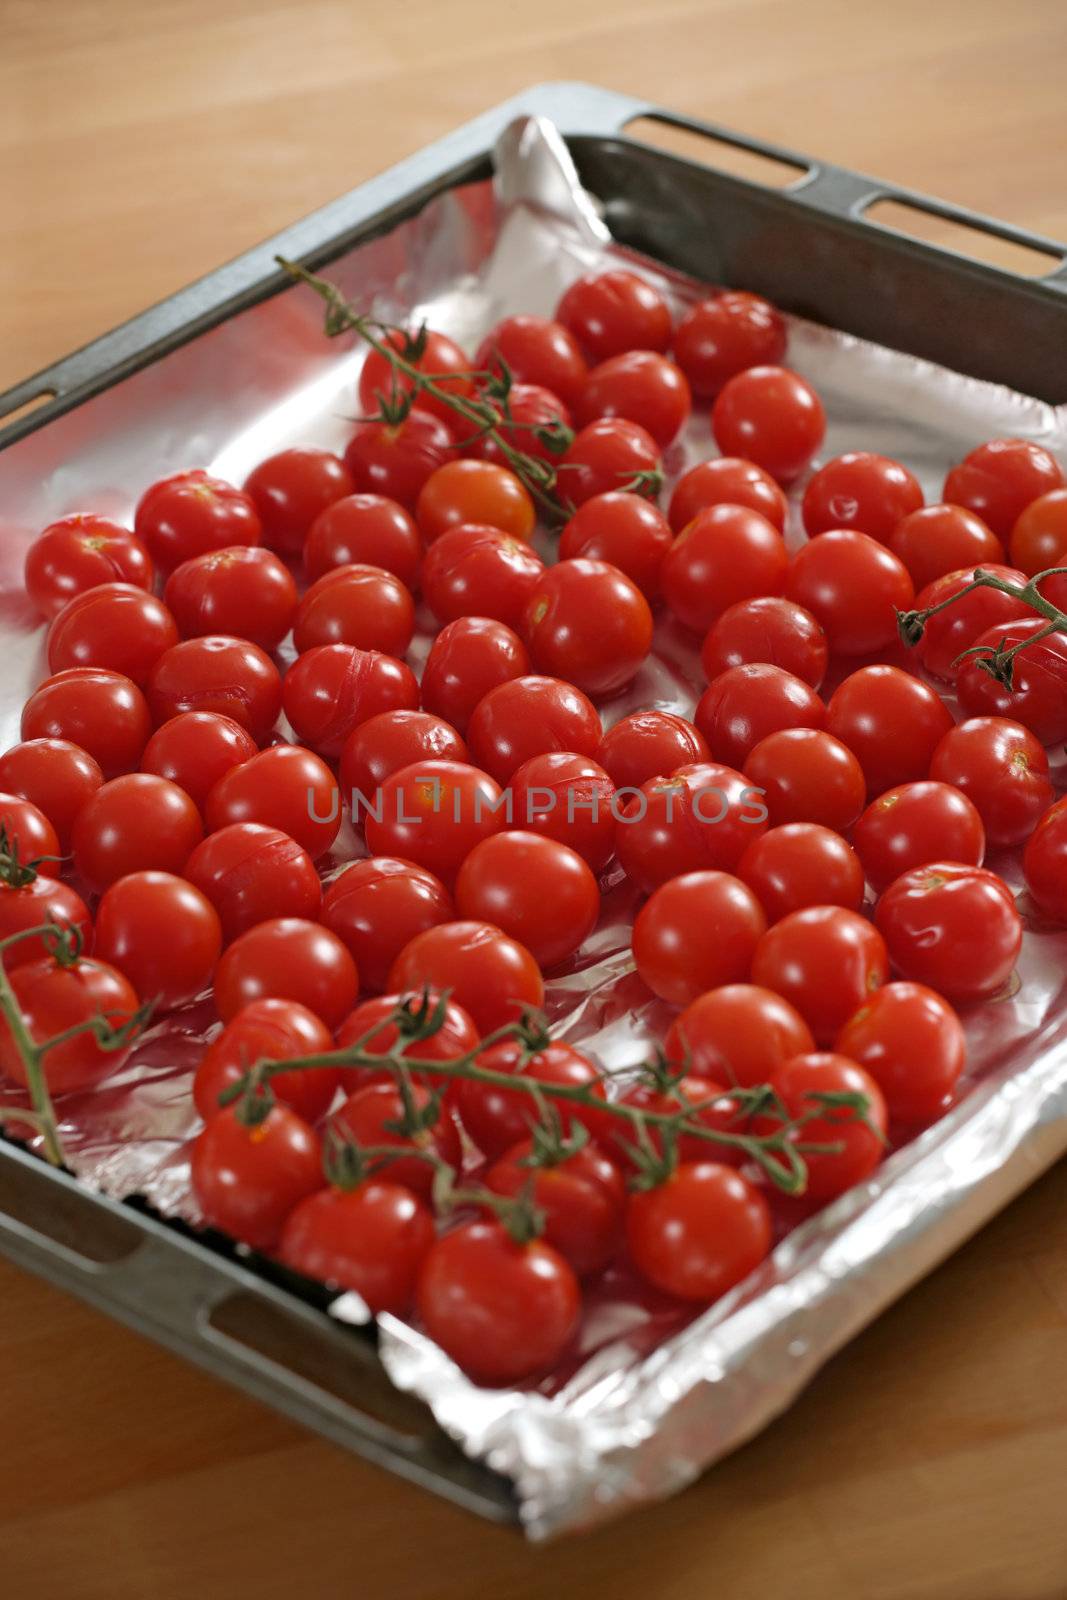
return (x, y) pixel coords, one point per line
(649, 744)
(1039, 541)
(364, 529)
(912, 1044)
(245, 592)
(103, 713)
(269, 1030)
(132, 824)
(470, 656)
(189, 513)
(288, 959)
(588, 624)
(54, 775)
(230, 676)
(535, 889)
(495, 979)
(582, 1198)
(1038, 694)
(52, 998)
(29, 835)
(1001, 768)
(937, 539)
(914, 824)
(890, 721)
(729, 481)
(953, 927)
(806, 775)
(611, 454)
(612, 312)
(724, 555)
(859, 490)
(432, 813)
(698, 1233)
(622, 529)
(771, 416)
(861, 1140)
(641, 386)
(283, 787)
(502, 1311)
(473, 491)
(253, 874)
(377, 906)
(393, 460)
(801, 864)
(441, 359)
(565, 796)
(162, 933)
(195, 749)
(720, 337)
(360, 605)
(770, 629)
(116, 626)
(373, 1239)
(999, 479)
(854, 587)
(690, 1094)
(291, 489)
(457, 1036)
(246, 1180)
(497, 1118)
(740, 1034)
(475, 571)
(1045, 863)
(535, 421)
(678, 967)
(29, 905)
(331, 689)
(826, 961)
(370, 1117)
(527, 717)
(79, 552)
(744, 704)
(395, 739)
(955, 628)
(535, 351)
(702, 816)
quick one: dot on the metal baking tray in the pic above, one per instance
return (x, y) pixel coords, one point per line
(809, 247)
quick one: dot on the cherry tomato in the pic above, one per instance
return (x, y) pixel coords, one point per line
(29, 835)
(470, 656)
(245, 592)
(701, 817)
(678, 967)
(31, 904)
(859, 490)
(79, 552)
(331, 689)
(103, 713)
(890, 721)
(539, 891)
(565, 796)
(432, 813)
(801, 864)
(132, 824)
(527, 717)
(377, 906)
(649, 744)
(998, 480)
(457, 1036)
(195, 749)
(472, 491)
(955, 628)
(771, 416)
(364, 529)
(291, 489)
(806, 775)
(698, 1233)
(502, 1311)
(494, 978)
(535, 421)
(441, 359)
(588, 624)
(288, 959)
(800, 1083)
(162, 933)
(370, 1117)
(395, 739)
(372, 1239)
(690, 1093)
(54, 775)
(229, 676)
(953, 927)
(536, 351)
(1002, 769)
(269, 1030)
(771, 629)
(622, 529)
(724, 555)
(1039, 540)
(246, 1180)
(1038, 694)
(854, 587)
(253, 874)
(116, 626)
(739, 1033)
(912, 1044)
(611, 454)
(190, 513)
(826, 961)
(53, 997)
(392, 460)
(937, 539)
(612, 312)
(497, 1118)
(641, 386)
(284, 787)
(720, 337)
(744, 704)
(1045, 863)
(914, 824)
(726, 480)
(475, 571)
(582, 1198)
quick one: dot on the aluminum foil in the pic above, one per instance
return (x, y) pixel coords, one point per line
(653, 1394)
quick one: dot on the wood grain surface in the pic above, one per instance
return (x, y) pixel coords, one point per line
(140, 146)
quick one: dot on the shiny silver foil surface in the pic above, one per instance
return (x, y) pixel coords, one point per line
(654, 1393)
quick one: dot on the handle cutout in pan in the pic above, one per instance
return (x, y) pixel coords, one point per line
(61, 1216)
(965, 238)
(16, 413)
(722, 154)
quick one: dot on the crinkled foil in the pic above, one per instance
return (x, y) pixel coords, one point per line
(653, 1395)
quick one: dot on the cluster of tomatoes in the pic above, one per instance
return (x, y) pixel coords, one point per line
(492, 800)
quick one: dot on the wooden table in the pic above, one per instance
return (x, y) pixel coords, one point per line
(139, 147)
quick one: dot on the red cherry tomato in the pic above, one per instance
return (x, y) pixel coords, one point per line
(1039, 541)
(246, 1180)
(288, 959)
(688, 1094)
(527, 717)
(678, 967)
(52, 998)
(582, 1198)
(739, 1033)
(29, 905)
(78, 553)
(225, 675)
(441, 359)
(115, 626)
(724, 555)
(1045, 863)
(472, 491)
(162, 933)
(54, 775)
(701, 817)
(718, 338)
(432, 813)
(800, 1083)
(854, 587)
(393, 460)
(291, 489)
(771, 416)
(953, 927)
(28, 834)
(195, 749)
(497, 1118)
(132, 824)
(1002, 769)
(284, 787)
(535, 422)
(253, 874)
(937, 539)
(729, 481)
(370, 1117)
(770, 629)
(806, 775)
(565, 796)
(244, 592)
(801, 864)
(395, 739)
(912, 1044)
(649, 744)
(190, 513)
(377, 906)
(700, 1232)
(641, 386)
(103, 713)
(269, 1030)
(869, 493)
(588, 624)
(826, 961)
(914, 824)
(745, 704)
(331, 689)
(998, 480)
(958, 626)
(372, 1239)
(612, 312)
(494, 978)
(611, 454)
(890, 721)
(535, 889)
(457, 1036)
(364, 529)
(626, 531)
(475, 571)
(535, 351)
(1038, 694)
(470, 656)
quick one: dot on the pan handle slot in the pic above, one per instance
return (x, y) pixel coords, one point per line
(978, 238)
(732, 153)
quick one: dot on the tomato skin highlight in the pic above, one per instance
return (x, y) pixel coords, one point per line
(854, 587)
(587, 624)
(247, 1180)
(470, 656)
(539, 891)
(1002, 769)
(292, 488)
(697, 932)
(625, 530)
(806, 775)
(101, 712)
(772, 416)
(610, 313)
(79, 552)
(730, 481)
(243, 591)
(288, 959)
(162, 933)
(726, 554)
(860, 490)
(911, 1042)
(744, 704)
(371, 1239)
(53, 998)
(801, 864)
(190, 513)
(116, 626)
(271, 1030)
(252, 874)
(700, 1232)
(916, 823)
(494, 978)
(195, 749)
(725, 335)
(285, 787)
(528, 717)
(954, 928)
(377, 906)
(826, 961)
(217, 673)
(135, 823)
(739, 1034)
(892, 723)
